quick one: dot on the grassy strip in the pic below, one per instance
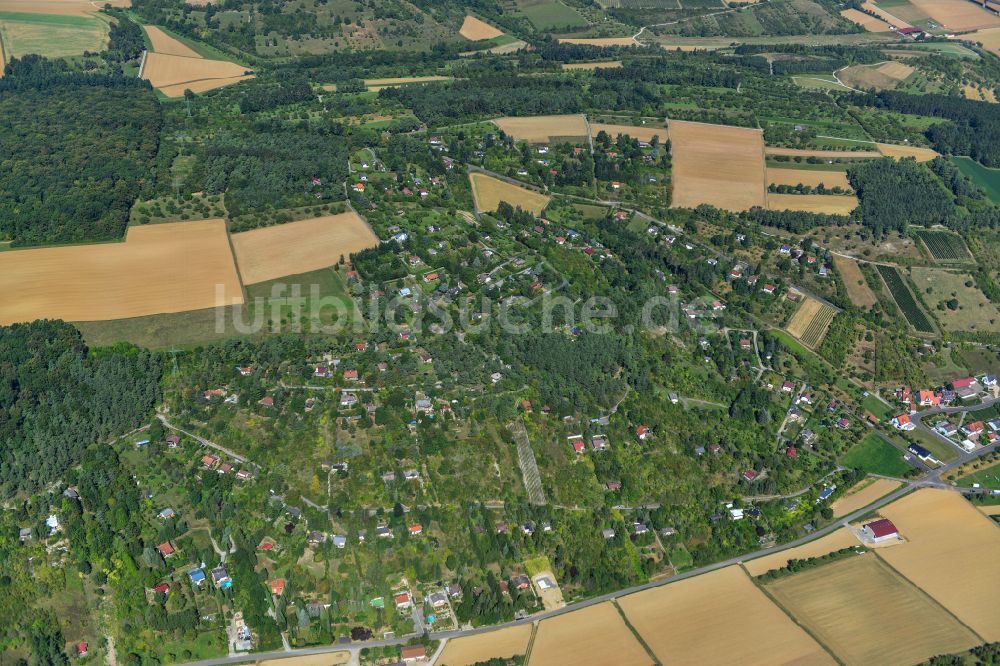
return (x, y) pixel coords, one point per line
(795, 566)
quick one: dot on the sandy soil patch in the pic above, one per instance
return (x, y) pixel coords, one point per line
(642, 133)
(718, 618)
(607, 64)
(159, 268)
(808, 177)
(500, 644)
(869, 23)
(543, 129)
(868, 614)
(475, 30)
(862, 494)
(593, 635)
(167, 45)
(601, 41)
(854, 281)
(172, 74)
(63, 7)
(552, 596)
(832, 204)
(718, 165)
(488, 192)
(886, 16)
(958, 15)
(829, 154)
(951, 554)
(299, 247)
(842, 538)
(330, 659)
(899, 152)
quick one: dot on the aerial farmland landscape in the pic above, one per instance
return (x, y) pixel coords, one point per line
(499, 332)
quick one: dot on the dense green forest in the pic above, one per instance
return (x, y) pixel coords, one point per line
(76, 156)
(56, 399)
(897, 193)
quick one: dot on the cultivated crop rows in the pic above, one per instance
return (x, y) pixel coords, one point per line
(904, 299)
(945, 246)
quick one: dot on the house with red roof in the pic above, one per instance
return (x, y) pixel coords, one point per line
(166, 549)
(749, 475)
(403, 600)
(880, 530)
(351, 375)
(162, 588)
(413, 653)
(903, 422)
(642, 432)
(416, 529)
(278, 587)
(82, 649)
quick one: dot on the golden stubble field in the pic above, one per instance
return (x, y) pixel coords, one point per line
(159, 268)
(863, 494)
(868, 614)
(173, 67)
(958, 15)
(951, 553)
(328, 659)
(488, 192)
(854, 281)
(63, 7)
(718, 618)
(500, 644)
(475, 29)
(718, 165)
(886, 16)
(593, 635)
(299, 247)
(809, 177)
(642, 133)
(831, 204)
(542, 129)
(869, 23)
(899, 152)
(829, 154)
(842, 538)
(167, 45)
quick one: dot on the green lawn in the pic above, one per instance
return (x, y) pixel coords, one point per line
(537, 565)
(942, 450)
(874, 454)
(987, 477)
(553, 15)
(680, 557)
(881, 410)
(988, 179)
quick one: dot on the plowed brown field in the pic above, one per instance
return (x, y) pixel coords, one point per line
(299, 247)
(158, 269)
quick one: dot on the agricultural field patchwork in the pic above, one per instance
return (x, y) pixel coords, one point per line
(545, 129)
(718, 165)
(810, 321)
(958, 302)
(596, 634)
(56, 35)
(748, 628)
(159, 268)
(895, 622)
(944, 246)
(173, 67)
(944, 532)
(957, 15)
(297, 247)
(488, 192)
(904, 299)
(869, 23)
(837, 540)
(862, 494)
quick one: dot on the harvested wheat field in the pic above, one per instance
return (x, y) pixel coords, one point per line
(990, 509)
(52, 36)
(61, 7)
(608, 64)
(641, 133)
(167, 45)
(299, 247)
(810, 321)
(500, 644)
(808, 177)
(885, 76)
(866, 613)
(601, 41)
(899, 152)
(172, 74)
(990, 39)
(830, 204)
(158, 269)
(593, 635)
(885, 16)
(544, 129)
(854, 281)
(828, 154)
(328, 659)
(842, 538)
(475, 30)
(488, 192)
(718, 618)
(718, 165)
(951, 554)
(869, 23)
(863, 494)
(958, 15)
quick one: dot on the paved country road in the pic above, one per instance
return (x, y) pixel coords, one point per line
(932, 480)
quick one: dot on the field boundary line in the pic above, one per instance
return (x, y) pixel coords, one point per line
(788, 614)
(531, 641)
(926, 594)
(236, 263)
(635, 633)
